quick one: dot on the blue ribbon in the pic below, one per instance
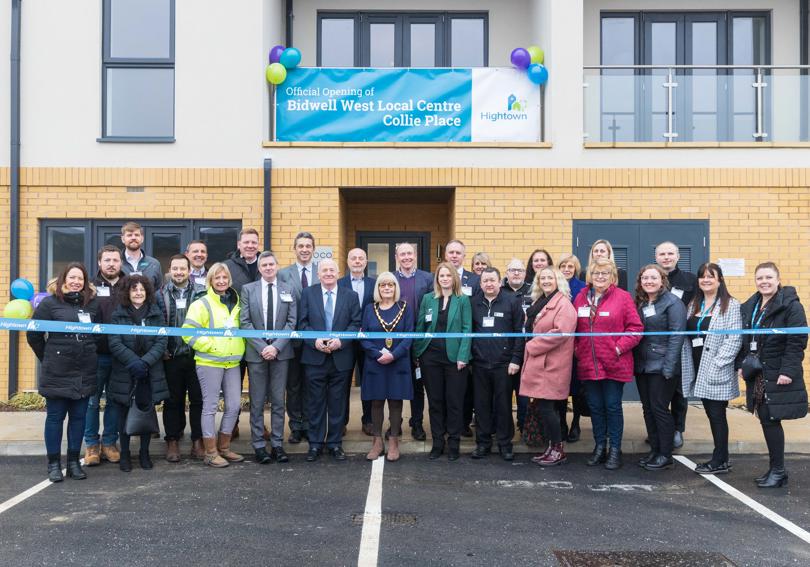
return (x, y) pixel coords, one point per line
(105, 329)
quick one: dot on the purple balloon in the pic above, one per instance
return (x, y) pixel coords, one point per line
(38, 298)
(521, 58)
(275, 53)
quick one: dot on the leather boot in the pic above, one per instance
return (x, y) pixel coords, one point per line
(598, 456)
(144, 460)
(197, 449)
(762, 477)
(776, 479)
(393, 449)
(109, 453)
(92, 456)
(55, 468)
(647, 458)
(172, 451)
(614, 459)
(74, 469)
(212, 458)
(125, 462)
(556, 456)
(377, 449)
(224, 447)
(543, 455)
(659, 462)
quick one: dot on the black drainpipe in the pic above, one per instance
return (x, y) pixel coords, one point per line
(268, 207)
(288, 31)
(14, 189)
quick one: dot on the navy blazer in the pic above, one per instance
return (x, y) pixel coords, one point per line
(368, 289)
(347, 317)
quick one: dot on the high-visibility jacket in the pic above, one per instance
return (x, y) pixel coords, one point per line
(209, 312)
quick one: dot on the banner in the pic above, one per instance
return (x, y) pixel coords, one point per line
(407, 105)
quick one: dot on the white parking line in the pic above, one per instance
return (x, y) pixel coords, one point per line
(22, 496)
(750, 502)
(370, 538)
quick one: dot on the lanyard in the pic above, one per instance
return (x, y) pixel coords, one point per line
(703, 312)
(755, 325)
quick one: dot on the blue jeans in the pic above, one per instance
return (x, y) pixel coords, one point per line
(605, 400)
(56, 410)
(110, 436)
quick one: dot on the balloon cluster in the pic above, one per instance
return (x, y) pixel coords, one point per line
(530, 59)
(24, 302)
(281, 59)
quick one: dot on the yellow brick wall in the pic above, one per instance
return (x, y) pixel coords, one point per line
(4, 280)
(756, 214)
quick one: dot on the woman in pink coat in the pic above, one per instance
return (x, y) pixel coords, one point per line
(547, 361)
(605, 364)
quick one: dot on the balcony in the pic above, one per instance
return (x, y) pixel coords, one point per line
(696, 105)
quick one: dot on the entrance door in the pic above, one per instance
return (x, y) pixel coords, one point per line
(381, 247)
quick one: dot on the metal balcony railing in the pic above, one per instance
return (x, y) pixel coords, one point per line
(697, 103)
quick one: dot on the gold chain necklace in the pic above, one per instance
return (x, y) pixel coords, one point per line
(389, 327)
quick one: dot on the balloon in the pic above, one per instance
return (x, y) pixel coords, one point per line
(38, 298)
(22, 289)
(521, 58)
(290, 58)
(18, 309)
(536, 54)
(275, 53)
(276, 73)
(538, 74)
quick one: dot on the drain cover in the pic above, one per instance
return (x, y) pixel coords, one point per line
(636, 558)
(388, 519)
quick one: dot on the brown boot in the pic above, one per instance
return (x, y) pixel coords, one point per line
(555, 457)
(539, 457)
(377, 449)
(393, 449)
(212, 458)
(197, 449)
(92, 456)
(172, 451)
(110, 453)
(224, 446)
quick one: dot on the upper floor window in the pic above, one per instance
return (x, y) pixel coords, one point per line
(406, 39)
(138, 70)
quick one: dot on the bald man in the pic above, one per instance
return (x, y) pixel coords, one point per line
(328, 362)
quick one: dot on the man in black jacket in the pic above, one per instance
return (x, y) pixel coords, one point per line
(107, 282)
(683, 285)
(243, 263)
(495, 361)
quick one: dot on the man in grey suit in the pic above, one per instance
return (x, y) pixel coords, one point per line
(270, 305)
(303, 273)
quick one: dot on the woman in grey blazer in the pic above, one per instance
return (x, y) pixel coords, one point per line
(707, 361)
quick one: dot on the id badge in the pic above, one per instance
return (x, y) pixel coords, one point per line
(584, 311)
(418, 373)
(753, 346)
(103, 291)
(428, 316)
(697, 342)
(677, 292)
(181, 303)
(466, 290)
(286, 297)
(84, 317)
(488, 323)
(649, 311)
(604, 313)
(200, 280)
(498, 314)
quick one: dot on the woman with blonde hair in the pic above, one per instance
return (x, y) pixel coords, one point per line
(480, 260)
(603, 249)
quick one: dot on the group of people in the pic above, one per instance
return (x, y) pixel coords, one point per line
(310, 379)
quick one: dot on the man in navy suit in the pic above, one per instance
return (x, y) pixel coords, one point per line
(363, 286)
(413, 285)
(328, 362)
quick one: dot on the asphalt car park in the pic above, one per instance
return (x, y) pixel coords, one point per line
(431, 513)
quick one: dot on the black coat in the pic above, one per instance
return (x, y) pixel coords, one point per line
(779, 354)
(123, 348)
(661, 354)
(240, 272)
(69, 361)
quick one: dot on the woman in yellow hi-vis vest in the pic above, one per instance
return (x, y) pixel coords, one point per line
(217, 360)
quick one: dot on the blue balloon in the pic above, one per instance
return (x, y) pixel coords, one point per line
(538, 74)
(290, 58)
(22, 289)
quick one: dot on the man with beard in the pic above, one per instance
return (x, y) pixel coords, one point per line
(136, 262)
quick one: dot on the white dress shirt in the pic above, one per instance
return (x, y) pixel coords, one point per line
(359, 286)
(265, 287)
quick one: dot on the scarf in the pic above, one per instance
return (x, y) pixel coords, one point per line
(534, 310)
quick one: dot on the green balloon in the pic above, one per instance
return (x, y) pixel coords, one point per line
(536, 54)
(18, 309)
(275, 73)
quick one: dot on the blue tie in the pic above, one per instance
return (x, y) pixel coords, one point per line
(329, 310)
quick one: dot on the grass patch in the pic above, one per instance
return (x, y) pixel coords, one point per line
(24, 401)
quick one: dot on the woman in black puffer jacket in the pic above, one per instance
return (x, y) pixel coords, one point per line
(777, 391)
(137, 365)
(658, 361)
(68, 375)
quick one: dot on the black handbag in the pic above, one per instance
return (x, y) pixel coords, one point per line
(141, 422)
(751, 367)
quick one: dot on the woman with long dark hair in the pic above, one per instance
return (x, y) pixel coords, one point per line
(538, 259)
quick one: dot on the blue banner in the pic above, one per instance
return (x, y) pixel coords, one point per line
(375, 105)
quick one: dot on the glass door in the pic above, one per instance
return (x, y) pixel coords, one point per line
(381, 250)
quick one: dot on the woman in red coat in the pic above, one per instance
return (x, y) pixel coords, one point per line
(605, 364)
(547, 360)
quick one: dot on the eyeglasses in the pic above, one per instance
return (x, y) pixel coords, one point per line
(387, 284)
(515, 270)
(601, 274)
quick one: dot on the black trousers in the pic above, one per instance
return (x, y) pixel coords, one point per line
(297, 394)
(716, 412)
(678, 407)
(418, 401)
(181, 376)
(326, 402)
(492, 389)
(656, 394)
(775, 439)
(550, 416)
(123, 411)
(469, 400)
(446, 386)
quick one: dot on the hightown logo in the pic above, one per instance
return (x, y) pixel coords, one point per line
(515, 111)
